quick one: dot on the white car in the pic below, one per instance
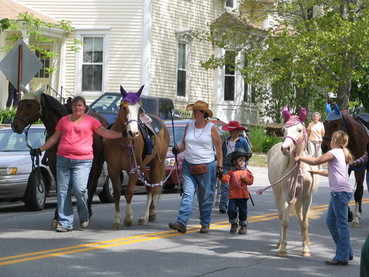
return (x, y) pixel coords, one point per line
(17, 179)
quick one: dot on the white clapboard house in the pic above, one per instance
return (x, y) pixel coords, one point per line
(135, 42)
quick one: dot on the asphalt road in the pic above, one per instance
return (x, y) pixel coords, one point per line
(28, 246)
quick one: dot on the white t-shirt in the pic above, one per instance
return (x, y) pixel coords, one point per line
(199, 148)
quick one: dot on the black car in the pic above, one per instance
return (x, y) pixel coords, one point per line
(108, 106)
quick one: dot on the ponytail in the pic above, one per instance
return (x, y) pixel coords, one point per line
(348, 156)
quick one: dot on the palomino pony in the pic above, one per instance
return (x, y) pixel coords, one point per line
(292, 183)
(39, 105)
(358, 140)
(127, 154)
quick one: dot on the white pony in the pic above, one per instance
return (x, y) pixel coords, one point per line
(292, 183)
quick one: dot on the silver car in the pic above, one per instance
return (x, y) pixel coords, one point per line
(18, 181)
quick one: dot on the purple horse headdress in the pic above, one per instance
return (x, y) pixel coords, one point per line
(131, 97)
(290, 120)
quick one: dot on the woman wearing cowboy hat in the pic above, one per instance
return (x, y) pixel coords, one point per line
(235, 142)
(201, 144)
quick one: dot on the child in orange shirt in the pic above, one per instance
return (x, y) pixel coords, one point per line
(238, 179)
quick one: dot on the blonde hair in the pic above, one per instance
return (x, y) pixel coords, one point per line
(340, 139)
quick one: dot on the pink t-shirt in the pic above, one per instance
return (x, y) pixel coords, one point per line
(338, 172)
(77, 137)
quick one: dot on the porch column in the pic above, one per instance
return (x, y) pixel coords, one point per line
(3, 80)
(146, 47)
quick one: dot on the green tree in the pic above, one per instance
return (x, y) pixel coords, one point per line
(314, 46)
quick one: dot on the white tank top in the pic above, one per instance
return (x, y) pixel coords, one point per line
(199, 144)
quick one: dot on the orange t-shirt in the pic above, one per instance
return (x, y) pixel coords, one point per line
(238, 181)
(76, 137)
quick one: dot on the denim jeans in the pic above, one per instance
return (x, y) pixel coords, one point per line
(223, 202)
(237, 207)
(72, 176)
(203, 185)
(338, 224)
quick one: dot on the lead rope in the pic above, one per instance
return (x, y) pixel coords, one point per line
(140, 174)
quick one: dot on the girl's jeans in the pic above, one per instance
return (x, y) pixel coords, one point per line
(72, 176)
(237, 207)
(203, 185)
(338, 224)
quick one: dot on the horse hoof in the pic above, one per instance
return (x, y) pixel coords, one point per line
(54, 223)
(152, 218)
(355, 224)
(116, 226)
(128, 223)
(306, 254)
(277, 246)
(142, 221)
(282, 253)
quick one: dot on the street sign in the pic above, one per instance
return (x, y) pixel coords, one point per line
(20, 65)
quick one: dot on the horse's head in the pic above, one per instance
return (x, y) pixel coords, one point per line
(129, 111)
(334, 122)
(294, 132)
(28, 111)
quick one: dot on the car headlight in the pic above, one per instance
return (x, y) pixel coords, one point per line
(8, 171)
(170, 161)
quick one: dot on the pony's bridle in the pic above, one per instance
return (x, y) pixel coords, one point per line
(32, 118)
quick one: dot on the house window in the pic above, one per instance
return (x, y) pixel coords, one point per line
(181, 69)
(229, 3)
(45, 61)
(92, 63)
(229, 75)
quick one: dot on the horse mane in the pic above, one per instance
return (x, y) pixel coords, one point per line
(48, 102)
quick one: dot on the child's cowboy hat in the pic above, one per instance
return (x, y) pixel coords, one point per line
(200, 106)
(238, 153)
(234, 125)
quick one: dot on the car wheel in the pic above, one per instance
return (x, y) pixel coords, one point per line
(106, 195)
(35, 196)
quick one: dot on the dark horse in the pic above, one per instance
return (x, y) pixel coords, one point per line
(358, 140)
(127, 154)
(38, 105)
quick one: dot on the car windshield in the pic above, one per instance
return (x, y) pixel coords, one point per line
(178, 132)
(108, 103)
(13, 142)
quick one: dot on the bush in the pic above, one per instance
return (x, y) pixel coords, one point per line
(7, 115)
(260, 141)
(269, 142)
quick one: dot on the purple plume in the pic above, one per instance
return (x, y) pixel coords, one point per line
(286, 114)
(131, 97)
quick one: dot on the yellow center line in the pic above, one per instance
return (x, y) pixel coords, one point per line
(43, 254)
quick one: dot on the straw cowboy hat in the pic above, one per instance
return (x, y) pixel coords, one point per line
(234, 125)
(200, 106)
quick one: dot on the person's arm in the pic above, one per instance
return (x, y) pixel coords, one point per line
(51, 141)
(308, 130)
(106, 133)
(315, 161)
(320, 172)
(217, 141)
(182, 146)
(360, 162)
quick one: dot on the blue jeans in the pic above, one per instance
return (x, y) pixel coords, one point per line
(203, 185)
(72, 175)
(237, 207)
(338, 224)
(223, 202)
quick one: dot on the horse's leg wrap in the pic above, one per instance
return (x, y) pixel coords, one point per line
(128, 220)
(116, 224)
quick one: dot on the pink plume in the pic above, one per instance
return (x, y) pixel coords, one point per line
(303, 114)
(286, 114)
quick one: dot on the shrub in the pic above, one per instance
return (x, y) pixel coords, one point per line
(257, 137)
(260, 141)
(269, 142)
(7, 115)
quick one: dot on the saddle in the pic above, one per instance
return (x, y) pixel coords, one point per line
(149, 127)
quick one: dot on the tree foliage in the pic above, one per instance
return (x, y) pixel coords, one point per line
(311, 48)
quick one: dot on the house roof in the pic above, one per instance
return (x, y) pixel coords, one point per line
(10, 9)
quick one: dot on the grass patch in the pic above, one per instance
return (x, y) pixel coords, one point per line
(258, 159)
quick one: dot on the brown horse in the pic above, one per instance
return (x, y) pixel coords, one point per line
(127, 154)
(38, 105)
(358, 140)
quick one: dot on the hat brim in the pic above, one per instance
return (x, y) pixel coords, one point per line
(236, 156)
(230, 128)
(192, 107)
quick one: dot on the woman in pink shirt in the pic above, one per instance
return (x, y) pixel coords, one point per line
(338, 159)
(74, 159)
